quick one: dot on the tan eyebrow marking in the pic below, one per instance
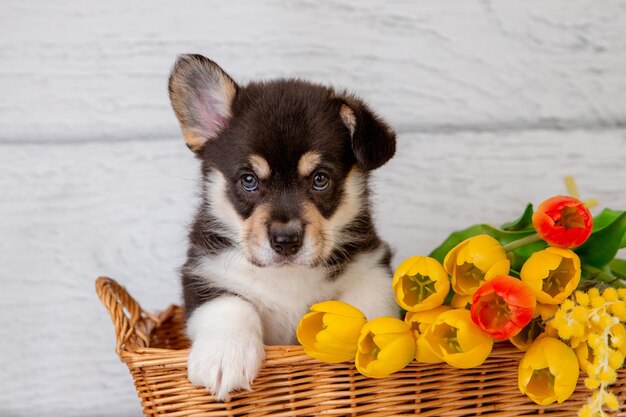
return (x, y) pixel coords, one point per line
(260, 166)
(308, 162)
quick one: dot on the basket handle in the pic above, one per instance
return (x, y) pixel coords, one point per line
(132, 323)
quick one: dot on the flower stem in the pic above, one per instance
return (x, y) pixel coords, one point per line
(598, 274)
(511, 246)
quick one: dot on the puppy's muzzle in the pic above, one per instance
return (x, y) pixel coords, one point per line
(285, 239)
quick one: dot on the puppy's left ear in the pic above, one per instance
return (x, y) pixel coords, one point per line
(373, 141)
(202, 95)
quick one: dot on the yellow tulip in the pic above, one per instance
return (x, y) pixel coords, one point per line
(531, 332)
(472, 262)
(584, 356)
(455, 339)
(552, 274)
(419, 322)
(546, 311)
(386, 345)
(548, 372)
(330, 331)
(420, 284)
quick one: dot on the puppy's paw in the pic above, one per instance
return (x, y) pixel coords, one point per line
(225, 365)
(227, 348)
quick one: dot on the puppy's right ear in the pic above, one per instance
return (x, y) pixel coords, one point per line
(202, 95)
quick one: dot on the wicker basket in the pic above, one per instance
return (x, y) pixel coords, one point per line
(291, 384)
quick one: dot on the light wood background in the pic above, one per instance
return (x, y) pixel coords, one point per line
(494, 102)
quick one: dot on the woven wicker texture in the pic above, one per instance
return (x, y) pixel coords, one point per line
(291, 384)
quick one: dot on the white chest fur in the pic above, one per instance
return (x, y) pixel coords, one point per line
(281, 295)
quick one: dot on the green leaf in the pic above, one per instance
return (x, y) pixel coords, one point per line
(517, 256)
(591, 273)
(605, 240)
(522, 224)
(525, 222)
(618, 267)
(454, 239)
(591, 276)
(505, 236)
(520, 255)
(606, 217)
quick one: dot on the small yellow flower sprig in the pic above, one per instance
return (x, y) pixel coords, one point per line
(592, 323)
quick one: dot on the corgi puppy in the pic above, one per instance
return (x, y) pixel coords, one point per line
(284, 219)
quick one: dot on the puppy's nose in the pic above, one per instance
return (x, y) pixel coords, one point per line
(285, 239)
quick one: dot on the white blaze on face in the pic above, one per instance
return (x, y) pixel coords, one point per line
(352, 203)
(221, 208)
(250, 233)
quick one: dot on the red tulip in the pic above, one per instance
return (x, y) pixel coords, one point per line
(563, 221)
(503, 306)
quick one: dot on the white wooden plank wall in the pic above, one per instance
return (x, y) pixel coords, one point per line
(495, 102)
(76, 69)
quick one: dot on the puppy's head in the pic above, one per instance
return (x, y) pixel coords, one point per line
(285, 162)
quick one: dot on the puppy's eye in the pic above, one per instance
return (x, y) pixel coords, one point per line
(320, 181)
(249, 182)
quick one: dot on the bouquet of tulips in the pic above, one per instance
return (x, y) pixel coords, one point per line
(548, 282)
